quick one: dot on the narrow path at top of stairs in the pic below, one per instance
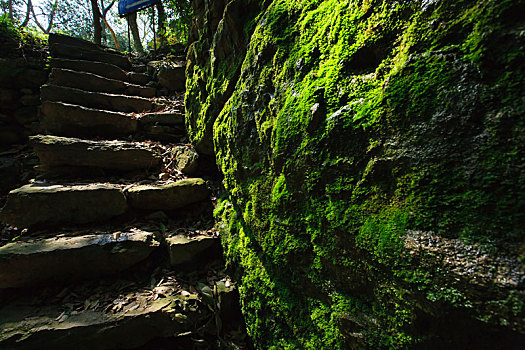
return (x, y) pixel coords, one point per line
(117, 246)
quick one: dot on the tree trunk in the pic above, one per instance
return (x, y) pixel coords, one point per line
(105, 11)
(112, 33)
(96, 22)
(10, 4)
(132, 20)
(162, 23)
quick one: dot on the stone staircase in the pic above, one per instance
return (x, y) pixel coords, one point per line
(117, 247)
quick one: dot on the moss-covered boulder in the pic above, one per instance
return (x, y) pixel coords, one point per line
(220, 38)
(373, 154)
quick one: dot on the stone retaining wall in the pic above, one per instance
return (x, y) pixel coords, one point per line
(20, 82)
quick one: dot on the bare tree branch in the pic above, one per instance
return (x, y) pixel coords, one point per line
(28, 14)
(50, 18)
(106, 9)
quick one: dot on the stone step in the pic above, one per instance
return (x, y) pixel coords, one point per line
(96, 83)
(162, 118)
(168, 197)
(76, 42)
(64, 119)
(57, 151)
(89, 54)
(103, 69)
(47, 204)
(184, 250)
(34, 262)
(109, 316)
(111, 102)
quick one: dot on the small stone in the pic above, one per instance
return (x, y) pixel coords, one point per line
(186, 159)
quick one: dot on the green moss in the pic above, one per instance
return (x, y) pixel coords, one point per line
(351, 124)
(382, 235)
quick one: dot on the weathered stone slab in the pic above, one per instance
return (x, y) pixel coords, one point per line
(32, 262)
(100, 68)
(163, 118)
(191, 250)
(116, 155)
(76, 52)
(186, 159)
(71, 120)
(168, 197)
(71, 41)
(92, 82)
(45, 204)
(112, 102)
(53, 326)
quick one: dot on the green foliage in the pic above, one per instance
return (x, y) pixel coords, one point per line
(26, 36)
(8, 28)
(179, 20)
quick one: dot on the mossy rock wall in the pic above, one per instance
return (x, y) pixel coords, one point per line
(373, 155)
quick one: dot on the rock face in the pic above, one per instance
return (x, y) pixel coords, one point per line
(168, 197)
(372, 152)
(214, 62)
(39, 204)
(39, 261)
